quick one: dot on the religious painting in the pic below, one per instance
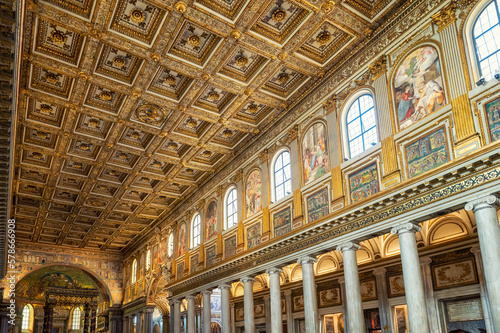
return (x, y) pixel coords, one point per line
(210, 255)
(418, 86)
(259, 311)
(454, 274)
(230, 247)
(315, 153)
(400, 319)
(182, 239)
(180, 270)
(253, 193)
(240, 314)
(211, 220)
(329, 297)
(364, 183)
(368, 290)
(282, 221)
(193, 265)
(253, 234)
(298, 303)
(215, 303)
(427, 153)
(396, 285)
(318, 205)
(493, 113)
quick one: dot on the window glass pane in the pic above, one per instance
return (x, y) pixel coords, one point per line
(487, 41)
(354, 128)
(76, 319)
(362, 129)
(353, 112)
(26, 318)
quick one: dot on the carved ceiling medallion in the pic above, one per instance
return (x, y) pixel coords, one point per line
(150, 114)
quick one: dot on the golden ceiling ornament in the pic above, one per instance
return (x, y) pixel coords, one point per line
(78, 165)
(170, 80)
(135, 135)
(137, 15)
(241, 61)
(150, 114)
(144, 180)
(42, 135)
(94, 123)
(119, 62)
(227, 133)
(207, 153)
(194, 40)
(45, 109)
(235, 33)
(134, 193)
(112, 173)
(174, 145)
(378, 67)
(51, 78)
(84, 146)
(38, 156)
(155, 56)
(156, 164)
(205, 76)
(282, 56)
(323, 38)
(445, 17)
(327, 6)
(123, 156)
(189, 170)
(279, 15)
(252, 109)
(192, 123)
(283, 78)
(105, 96)
(180, 6)
(58, 37)
(33, 173)
(213, 96)
(97, 203)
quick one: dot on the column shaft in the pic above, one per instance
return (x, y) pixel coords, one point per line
(177, 316)
(310, 300)
(225, 308)
(191, 322)
(383, 299)
(138, 325)
(207, 313)
(248, 304)
(275, 300)
(166, 324)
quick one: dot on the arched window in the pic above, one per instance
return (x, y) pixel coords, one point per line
(196, 231)
(231, 208)
(27, 321)
(282, 174)
(77, 313)
(361, 125)
(170, 245)
(486, 34)
(148, 260)
(134, 271)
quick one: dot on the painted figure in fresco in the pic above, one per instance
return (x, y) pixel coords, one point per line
(253, 193)
(493, 112)
(211, 220)
(182, 240)
(314, 153)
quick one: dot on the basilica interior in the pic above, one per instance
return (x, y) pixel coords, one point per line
(250, 166)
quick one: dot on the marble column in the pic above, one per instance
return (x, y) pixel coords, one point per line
(177, 316)
(131, 323)
(412, 277)
(354, 304)
(267, 312)
(432, 309)
(275, 293)
(248, 304)
(289, 314)
(225, 291)
(125, 325)
(341, 281)
(383, 299)
(166, 324)
(207, 313)
(148, 321)
(233, 319)
(488, 231)
(483, 294)
(309, 290)
(138, 325)
(191, 322)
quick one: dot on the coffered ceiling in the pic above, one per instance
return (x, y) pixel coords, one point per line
(127, 107)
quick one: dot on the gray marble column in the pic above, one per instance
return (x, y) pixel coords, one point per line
(125, 325)
(138, 325)
(248, 304)
(191, 322)
(166, 324)
(148, 321)
(354, 304)
(412, 277)
(267, 312)
(483, 294)
(233, 319)
(290, 327)
(172, 316)
(309, 290)
(275, 294)
(341, 281)
(383, 299)
(432, 310)
(488, 231)
(207, 313)
(225, 293)
(131, 323)
(177, 316)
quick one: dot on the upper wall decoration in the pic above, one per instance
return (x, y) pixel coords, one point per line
(493, 113)
(315, 152)
(364, 182)
(211, 220)
(253, 193)
(181, 248)
(418, 86)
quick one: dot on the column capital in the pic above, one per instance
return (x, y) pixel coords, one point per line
(379, 271)
(287, 292)
(488, 201)
(190, 297)
(225, 286)
(266, 297)
(177, 301)
(206, 292)
(475, 250)
(405, 227)
(247, 279)
(425, 261)
(306, 260)
(274, 270)
(341, 280)
(348, 246)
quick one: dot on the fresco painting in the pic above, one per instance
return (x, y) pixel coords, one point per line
(493, 113)
(418, 86)
(210, 255)
(315, 153)
(182, 239)
(180, 270)
(193, 265)
(253, 234)
(318, 205)
(230, 246)
(364, 183)
(282, 222)
(253, 193)
(211, 220)
(427, 153)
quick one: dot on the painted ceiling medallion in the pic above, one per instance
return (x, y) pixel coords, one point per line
(227, 133)
(150, 114)
(194, 40)
(252, 109)
(241, 61)
(192, 123)
(46, 109)
(58, 37)
(324, 38)
(137, 15)
(106, 96)
(119, 62)
(51, 78)
(170, 80)
(279, 15)
(283, 78)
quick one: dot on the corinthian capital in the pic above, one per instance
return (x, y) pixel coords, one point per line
(445, 16)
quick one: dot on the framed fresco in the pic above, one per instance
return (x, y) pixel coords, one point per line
(315, 159)
(182, 239)
(230, 247)
(426, 153)
(253, 193)
(210, 255)
(364, 183)
(396, 286)
(454, 274)
(252, 235)
(211, 220)
(418, 86)
(329, 297)
(368, 290)
(259, 311)
(318, 205)
(492, 109)
(282, 222)
(193, 264)
(180, 270)
(298, 303)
